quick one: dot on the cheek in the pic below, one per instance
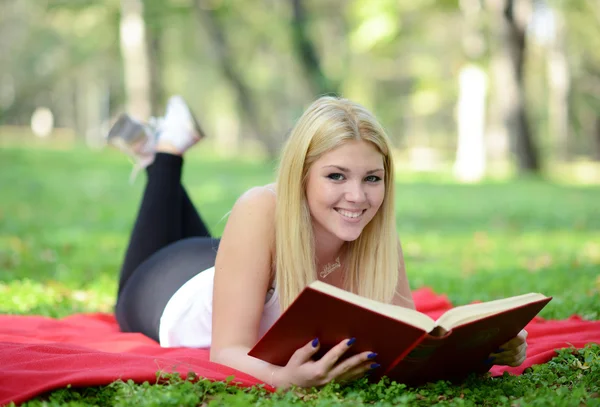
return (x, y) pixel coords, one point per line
(377, 197)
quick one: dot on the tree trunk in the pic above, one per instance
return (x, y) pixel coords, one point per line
(558, 85)
(154, 47)
(135, 59)
(307, 54)
(249, 108)
(510, 19)
(470, 162)
(596, 154)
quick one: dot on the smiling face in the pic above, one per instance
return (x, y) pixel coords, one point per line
(344, 190)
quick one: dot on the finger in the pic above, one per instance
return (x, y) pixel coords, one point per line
(362, 361)
(513, 343)
(513, 362)
(360, 371)
(329, 360)
(512, 359)
(305, 353)
(510, 352)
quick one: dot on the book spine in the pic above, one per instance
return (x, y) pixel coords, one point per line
(406, 352)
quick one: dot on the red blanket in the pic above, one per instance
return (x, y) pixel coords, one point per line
(39, 354)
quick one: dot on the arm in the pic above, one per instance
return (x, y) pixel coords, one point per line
(242, 275)
(403, 296)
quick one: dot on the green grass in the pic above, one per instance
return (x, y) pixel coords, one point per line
(65, 218)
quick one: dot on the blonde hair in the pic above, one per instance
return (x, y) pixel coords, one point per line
(373, 258)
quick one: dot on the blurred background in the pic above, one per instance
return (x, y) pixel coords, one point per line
(475, 88)
(493, 107)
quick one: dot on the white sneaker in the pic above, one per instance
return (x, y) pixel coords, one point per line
(179, 127)
(135, 139)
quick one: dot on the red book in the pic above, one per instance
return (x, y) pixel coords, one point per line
(411, 347)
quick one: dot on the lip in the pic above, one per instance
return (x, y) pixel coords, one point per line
(351, 220)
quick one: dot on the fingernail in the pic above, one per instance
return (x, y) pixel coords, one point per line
(490, 360)
(315, 342)
(375, 365)
(371, 355)
(351, 341)
(499, 350)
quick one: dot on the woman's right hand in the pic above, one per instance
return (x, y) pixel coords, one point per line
(301, 370)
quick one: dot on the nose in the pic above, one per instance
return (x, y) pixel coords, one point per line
(356, 192)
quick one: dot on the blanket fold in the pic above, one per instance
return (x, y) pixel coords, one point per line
(39, 354)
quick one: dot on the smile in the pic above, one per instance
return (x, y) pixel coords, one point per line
(350, 214)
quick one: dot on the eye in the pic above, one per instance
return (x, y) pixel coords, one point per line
(373, 178)
(336, 176)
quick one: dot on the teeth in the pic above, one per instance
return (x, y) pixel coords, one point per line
(349, 214)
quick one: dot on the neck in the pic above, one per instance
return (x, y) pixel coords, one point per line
(327, 250)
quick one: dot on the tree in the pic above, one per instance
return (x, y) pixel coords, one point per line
(508, 105)
(135, 59)
(470, 162)
(306, 52)
(154, 22)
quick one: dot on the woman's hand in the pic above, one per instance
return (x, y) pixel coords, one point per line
(513, 352)
(302, 371)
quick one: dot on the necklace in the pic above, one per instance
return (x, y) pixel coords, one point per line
(330, 268)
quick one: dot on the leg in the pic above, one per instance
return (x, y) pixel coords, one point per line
(166, 214)
(158, 223)
(191, 222)
(150, 287)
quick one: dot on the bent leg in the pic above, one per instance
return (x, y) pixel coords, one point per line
(158, 222)
(191, 223)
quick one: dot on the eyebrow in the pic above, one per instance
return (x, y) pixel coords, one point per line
(344, 169)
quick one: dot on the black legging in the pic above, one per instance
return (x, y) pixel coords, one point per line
(169, 245)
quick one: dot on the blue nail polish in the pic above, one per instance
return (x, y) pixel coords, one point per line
(490, 360)
(351, 341)
(315, 342)
(375, 365)
(371, 355)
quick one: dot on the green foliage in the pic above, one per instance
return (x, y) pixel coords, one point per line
(570, 379)
(65, 218)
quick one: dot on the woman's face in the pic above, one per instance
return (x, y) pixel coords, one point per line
(344, 190)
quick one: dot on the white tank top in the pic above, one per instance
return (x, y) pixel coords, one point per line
(187, 318)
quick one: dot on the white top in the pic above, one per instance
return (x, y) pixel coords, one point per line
(187, 318)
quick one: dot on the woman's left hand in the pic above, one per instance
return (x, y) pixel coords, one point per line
(513, 352)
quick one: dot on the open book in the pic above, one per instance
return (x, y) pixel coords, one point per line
(412, 348)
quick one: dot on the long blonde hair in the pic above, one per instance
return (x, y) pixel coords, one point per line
(373, 258)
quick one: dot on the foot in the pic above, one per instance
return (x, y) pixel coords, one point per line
(133, 138)
(179, 129)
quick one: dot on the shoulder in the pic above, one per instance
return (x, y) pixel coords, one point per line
(254, 212)
(261, 199)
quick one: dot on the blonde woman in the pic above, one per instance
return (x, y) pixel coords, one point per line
(329, 216)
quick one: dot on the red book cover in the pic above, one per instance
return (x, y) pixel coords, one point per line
(406, 353)
(464, 349)
(315, 314)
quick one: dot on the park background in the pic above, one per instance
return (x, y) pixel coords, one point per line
(493, 107)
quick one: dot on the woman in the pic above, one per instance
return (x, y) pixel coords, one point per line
(329, 216)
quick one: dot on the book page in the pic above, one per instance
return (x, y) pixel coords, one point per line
(468, 313)
(406, 315)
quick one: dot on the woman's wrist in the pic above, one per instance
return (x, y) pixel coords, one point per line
(277, 380)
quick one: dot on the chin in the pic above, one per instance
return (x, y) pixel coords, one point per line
(348, 237)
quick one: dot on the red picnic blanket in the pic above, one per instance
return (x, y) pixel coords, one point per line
(38, 354)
